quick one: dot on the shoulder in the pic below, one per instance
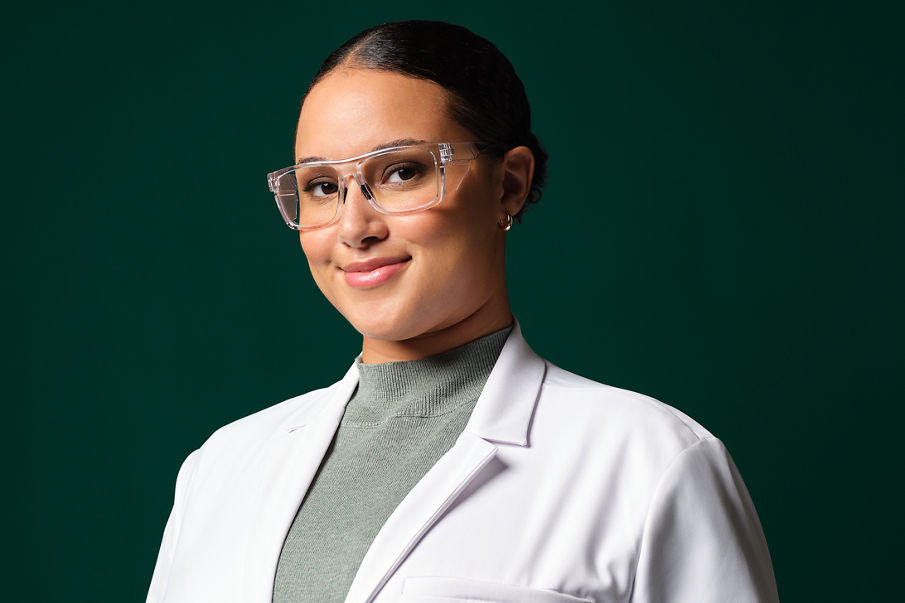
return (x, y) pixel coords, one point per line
(621, 407)
(627, 425)
(660, 461)
(248, 433)
(565, 413)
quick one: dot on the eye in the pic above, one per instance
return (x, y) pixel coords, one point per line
(402, 172)
(321, 188)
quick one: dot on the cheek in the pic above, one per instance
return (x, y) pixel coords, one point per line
(458, 251)
(316, 246)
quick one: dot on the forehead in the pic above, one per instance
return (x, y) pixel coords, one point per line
(352, 111)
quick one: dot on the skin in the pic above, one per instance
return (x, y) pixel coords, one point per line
(451, 286)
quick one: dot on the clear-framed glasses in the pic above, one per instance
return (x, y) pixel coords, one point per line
(396, 180)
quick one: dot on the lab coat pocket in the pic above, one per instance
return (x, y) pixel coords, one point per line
(459, 590)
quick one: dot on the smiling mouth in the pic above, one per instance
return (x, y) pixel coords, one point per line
(373, 273)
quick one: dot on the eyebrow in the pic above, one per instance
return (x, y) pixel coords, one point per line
(399, 142)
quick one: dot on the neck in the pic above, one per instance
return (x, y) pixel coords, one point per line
(485, 321)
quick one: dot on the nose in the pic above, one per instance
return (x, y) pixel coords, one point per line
(360, 225)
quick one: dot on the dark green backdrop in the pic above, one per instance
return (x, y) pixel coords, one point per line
(722, 230)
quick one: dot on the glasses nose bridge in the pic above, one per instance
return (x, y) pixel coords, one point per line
(353, 172)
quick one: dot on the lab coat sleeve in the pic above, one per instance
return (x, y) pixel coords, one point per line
(172, 529)
(702, 539)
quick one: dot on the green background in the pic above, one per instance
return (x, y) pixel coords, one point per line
(722, 230)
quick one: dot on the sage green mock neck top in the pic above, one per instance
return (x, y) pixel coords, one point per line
(402, 418)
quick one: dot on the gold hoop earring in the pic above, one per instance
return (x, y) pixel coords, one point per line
(507, 223)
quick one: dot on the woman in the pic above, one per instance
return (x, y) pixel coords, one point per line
(451, 463)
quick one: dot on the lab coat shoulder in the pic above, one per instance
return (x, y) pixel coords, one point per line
(213, 473)
(608, 419)
(683, 527)
(234, 445)
(243, 435)
(612, 402)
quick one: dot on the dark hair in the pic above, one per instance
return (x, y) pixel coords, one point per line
(487, 97)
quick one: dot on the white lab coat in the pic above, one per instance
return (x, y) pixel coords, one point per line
(559, 489)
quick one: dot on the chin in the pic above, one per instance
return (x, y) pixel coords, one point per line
(382, 325)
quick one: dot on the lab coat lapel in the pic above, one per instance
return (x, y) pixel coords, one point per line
(286, 470)
(418, 511)
(502, 415)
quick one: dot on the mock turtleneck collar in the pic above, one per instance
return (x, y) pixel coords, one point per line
(426, 387)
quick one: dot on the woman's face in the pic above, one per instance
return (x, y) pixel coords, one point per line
(435, 274)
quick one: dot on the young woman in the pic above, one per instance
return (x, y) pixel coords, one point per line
(451, 463)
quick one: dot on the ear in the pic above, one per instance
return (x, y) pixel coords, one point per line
(517, 171)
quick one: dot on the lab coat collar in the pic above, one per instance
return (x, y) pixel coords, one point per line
(504, 409)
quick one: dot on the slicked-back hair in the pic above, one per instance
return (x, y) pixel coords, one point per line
(486, 95)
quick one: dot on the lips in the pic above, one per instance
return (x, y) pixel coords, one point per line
(374, 272)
